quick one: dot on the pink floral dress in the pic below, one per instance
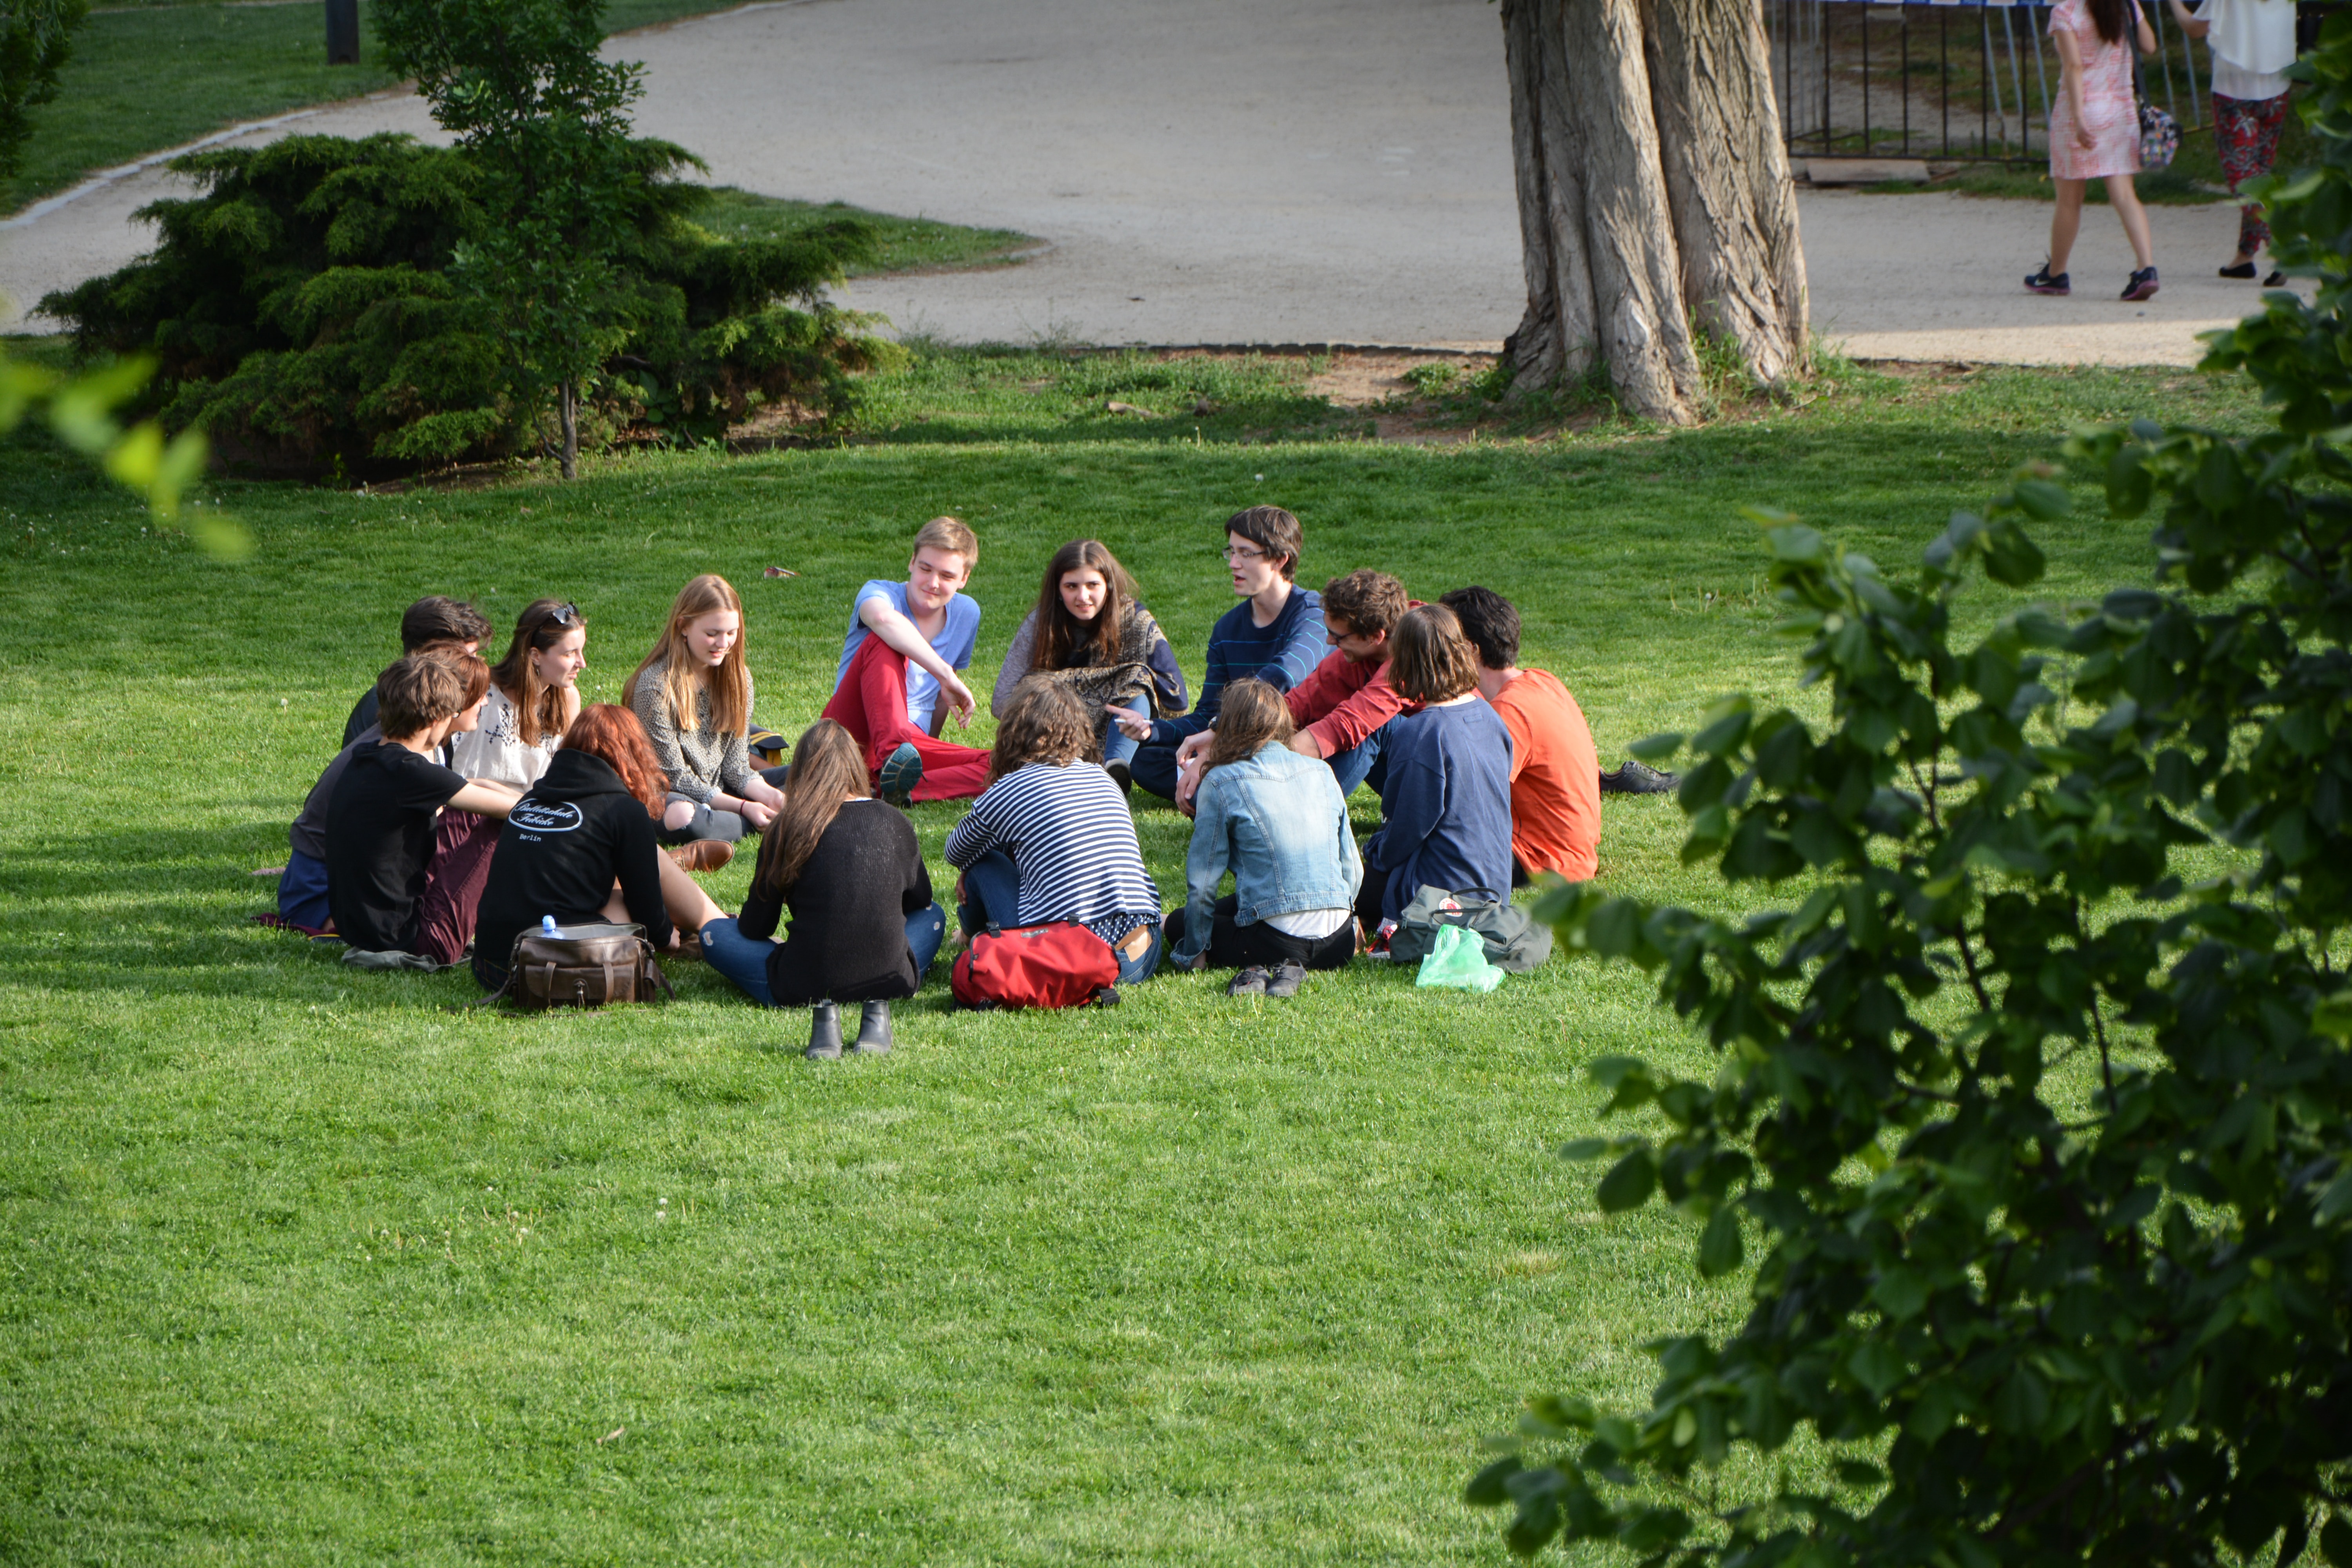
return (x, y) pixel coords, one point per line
(2109, 108)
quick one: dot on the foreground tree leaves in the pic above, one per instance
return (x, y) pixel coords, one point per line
(2034, 1099)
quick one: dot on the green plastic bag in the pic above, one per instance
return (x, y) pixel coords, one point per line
(1458, 960)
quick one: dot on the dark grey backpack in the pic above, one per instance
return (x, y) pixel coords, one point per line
(1513, 938)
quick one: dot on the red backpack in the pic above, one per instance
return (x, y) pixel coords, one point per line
(1060, 965)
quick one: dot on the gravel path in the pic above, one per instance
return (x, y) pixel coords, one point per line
(1239, 170)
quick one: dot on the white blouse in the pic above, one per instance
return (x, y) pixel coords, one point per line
(496, 751)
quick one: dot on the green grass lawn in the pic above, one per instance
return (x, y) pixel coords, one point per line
(307, 1265)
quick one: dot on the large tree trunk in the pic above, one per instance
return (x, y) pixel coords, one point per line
(1654, 193)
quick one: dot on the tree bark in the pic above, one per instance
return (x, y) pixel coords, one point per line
(568, 411)
(1654, 195)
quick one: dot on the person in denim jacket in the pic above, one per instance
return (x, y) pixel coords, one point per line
(1277, 821)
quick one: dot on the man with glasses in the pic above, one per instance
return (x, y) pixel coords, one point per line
(1275, 634)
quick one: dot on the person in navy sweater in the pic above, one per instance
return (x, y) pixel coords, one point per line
(1446, 802)
(1274, 634)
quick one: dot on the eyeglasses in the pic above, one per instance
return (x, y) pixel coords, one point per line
(1242, 553)
(565, 614)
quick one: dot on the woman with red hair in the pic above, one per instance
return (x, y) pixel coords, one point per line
(581, 846)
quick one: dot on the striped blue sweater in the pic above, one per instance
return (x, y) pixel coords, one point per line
(1071, 836)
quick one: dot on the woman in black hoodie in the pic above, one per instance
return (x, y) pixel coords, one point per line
(587, 824)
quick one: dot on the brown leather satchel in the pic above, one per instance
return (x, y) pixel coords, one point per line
(581, 966)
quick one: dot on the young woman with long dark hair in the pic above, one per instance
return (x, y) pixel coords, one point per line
(534, 697)
(581, 846)
(1088, 633)
(693, 695)
(1277, 821)
(850, 871)
(1051, 840)
(2094, 133)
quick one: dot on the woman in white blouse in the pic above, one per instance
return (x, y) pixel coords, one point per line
(534, 697)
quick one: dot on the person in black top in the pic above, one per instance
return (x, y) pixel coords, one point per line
(382, 870)
(586, 826)
(430, 620)
(849, 869)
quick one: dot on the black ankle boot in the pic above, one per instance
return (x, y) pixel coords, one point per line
(824, 1033)
(873, 1030)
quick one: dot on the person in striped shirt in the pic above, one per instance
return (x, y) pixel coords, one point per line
(1050, 837)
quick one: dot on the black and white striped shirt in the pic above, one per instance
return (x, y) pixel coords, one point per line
(1071, 836)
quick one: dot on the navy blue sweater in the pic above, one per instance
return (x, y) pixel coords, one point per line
(1447, 805)
(1280, 654)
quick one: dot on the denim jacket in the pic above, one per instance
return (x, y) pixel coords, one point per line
(1278, 822)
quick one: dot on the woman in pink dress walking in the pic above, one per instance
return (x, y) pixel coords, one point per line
(2094, 133)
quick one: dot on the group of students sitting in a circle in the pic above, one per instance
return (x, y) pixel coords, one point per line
(472, 801)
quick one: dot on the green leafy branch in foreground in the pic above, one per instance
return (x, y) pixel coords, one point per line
(2044, 1142)
(81, 411)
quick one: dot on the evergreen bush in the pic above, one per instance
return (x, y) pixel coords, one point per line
(304, 310)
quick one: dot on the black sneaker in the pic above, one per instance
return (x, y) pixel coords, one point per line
(2275, 281)
(1120, 775)
(2040, 283)
(902, 772)
(1288, 977)
(1638, 778)
(2243, 269)
(1250, 982)
(2140, 286)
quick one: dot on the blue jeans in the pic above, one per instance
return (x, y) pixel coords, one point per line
(991, 891)
(993, 883)
(744, 958)
(1117, 745)
(1362, 765)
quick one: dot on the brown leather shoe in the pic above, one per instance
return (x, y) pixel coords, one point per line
(703, 855)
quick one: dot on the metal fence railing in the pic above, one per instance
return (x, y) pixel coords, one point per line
(1957, 82)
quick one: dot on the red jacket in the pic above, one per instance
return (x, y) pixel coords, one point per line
(1343, 701)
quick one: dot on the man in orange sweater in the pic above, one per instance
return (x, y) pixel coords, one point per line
(1555, 771)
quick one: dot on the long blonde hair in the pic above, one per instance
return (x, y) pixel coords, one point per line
(828, 770)
(729, 685)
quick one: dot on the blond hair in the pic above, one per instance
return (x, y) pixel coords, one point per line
(949, 535)
(729, 685)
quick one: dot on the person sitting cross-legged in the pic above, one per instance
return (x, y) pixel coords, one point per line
(1447, 799)
(693, 695)
(1277, 821)
(582, 847)
(850, 872)
(1051, 839)
(395, 884)
(1555, 769)
(1275, 634)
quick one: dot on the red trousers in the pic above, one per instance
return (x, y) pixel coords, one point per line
(462, 843)
(871, 704)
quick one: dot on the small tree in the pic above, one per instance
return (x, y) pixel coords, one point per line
(523, 88)
(2038, 1099)
(36, 41)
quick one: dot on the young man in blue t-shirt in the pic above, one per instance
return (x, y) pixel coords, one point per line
(1275, 634)
(898, 681)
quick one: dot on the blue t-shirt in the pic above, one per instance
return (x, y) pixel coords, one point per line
(959, 635)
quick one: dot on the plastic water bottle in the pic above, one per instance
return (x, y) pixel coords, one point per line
(547, 924)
